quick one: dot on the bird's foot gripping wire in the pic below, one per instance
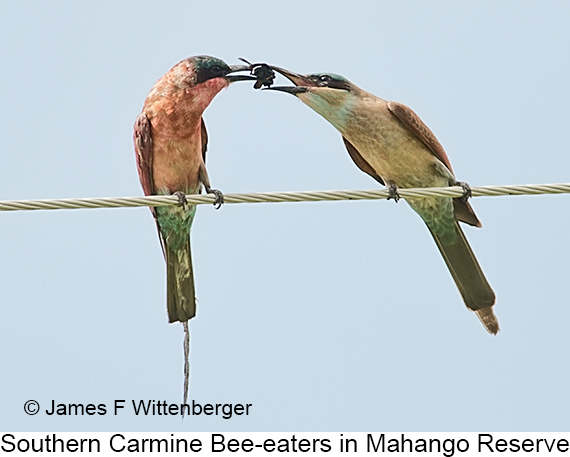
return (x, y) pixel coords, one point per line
(263, 72)
(181, 199)
(219, 201)
(466, 190)
(393, 193)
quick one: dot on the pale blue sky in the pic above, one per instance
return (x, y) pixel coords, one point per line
(324, 316)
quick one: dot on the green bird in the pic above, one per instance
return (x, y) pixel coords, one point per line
(388, 141)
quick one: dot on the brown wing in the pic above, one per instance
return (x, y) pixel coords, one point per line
(413, 122)
(361, 162)
(143, 148)
(464, 213)
(204, 140)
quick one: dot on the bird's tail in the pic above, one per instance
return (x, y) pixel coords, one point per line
(186, 364)
(470, 280)
(180, 293)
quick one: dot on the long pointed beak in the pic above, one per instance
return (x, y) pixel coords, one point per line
(302, 82)
(294, 90)
(235, 69)
(295, 78)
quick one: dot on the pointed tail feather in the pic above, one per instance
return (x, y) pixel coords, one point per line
(186, 363)
(488, 319)
(180, 295)
(469, 278)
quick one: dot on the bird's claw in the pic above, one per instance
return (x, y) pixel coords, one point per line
(219, 201)
(181, 199)
(393, 193)
(466, 190)
(263, 72)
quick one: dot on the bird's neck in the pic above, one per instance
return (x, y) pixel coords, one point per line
(337, 107)
(183, 97)
(205, 92)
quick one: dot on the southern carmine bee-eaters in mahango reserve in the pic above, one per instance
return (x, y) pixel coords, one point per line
(170, 142)
(390, 142)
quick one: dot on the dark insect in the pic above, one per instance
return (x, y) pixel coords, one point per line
(263, 72)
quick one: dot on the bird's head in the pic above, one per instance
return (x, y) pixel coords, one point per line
(329, 94)
(203, 72)
(205, 68)
(201, 76)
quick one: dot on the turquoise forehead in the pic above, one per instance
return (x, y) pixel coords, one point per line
(208, 61)
(333, 76)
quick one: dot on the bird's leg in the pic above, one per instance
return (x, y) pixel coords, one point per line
(219, 201)
(181, 199)
(203, 176)
(466, 190)
(393, 193)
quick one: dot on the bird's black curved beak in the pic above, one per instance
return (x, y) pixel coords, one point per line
(236, 68)
(294, 90)
(302, 82)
